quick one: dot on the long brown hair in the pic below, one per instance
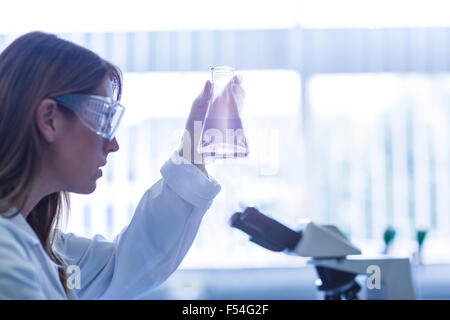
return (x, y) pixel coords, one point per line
(34, 67)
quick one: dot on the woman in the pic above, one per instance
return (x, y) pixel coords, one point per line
(59, 110)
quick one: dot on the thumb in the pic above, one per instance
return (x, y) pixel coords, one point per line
(203, 97)
(200, 105)
(207, 90)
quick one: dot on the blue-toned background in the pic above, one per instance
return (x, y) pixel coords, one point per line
(347, 116)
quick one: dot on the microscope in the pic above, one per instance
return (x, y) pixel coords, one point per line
(336, 260)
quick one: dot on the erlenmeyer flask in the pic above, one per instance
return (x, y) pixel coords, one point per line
(222, 133)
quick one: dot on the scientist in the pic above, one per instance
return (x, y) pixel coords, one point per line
(59, 111)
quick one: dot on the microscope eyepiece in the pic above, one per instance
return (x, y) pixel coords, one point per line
(265, 231)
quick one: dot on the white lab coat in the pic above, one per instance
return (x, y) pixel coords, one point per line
(140, 258)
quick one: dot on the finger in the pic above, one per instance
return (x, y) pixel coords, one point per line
(201, 102)
(206, 92)
(237, 79)
(207, 89)
(238, 91)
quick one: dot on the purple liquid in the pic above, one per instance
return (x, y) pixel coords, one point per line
(223, 137)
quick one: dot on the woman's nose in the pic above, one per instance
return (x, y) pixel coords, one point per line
(112, 146)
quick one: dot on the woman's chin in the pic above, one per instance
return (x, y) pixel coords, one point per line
(86, 189)
(92, 189)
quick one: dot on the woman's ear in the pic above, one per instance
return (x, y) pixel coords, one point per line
(48, 119)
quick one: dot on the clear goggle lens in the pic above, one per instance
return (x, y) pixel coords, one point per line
(100, 114)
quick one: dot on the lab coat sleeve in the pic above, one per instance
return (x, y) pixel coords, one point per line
(152, 246)
(18, 278)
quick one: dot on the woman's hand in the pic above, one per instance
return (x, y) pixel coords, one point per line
(194, 124)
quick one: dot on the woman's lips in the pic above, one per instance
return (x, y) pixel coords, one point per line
(100, 172)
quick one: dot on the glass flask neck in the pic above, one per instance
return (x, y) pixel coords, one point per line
(221, 71)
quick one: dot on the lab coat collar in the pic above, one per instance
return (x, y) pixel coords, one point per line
(21, 223)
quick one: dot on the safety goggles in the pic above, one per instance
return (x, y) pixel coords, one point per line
(100, 114)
